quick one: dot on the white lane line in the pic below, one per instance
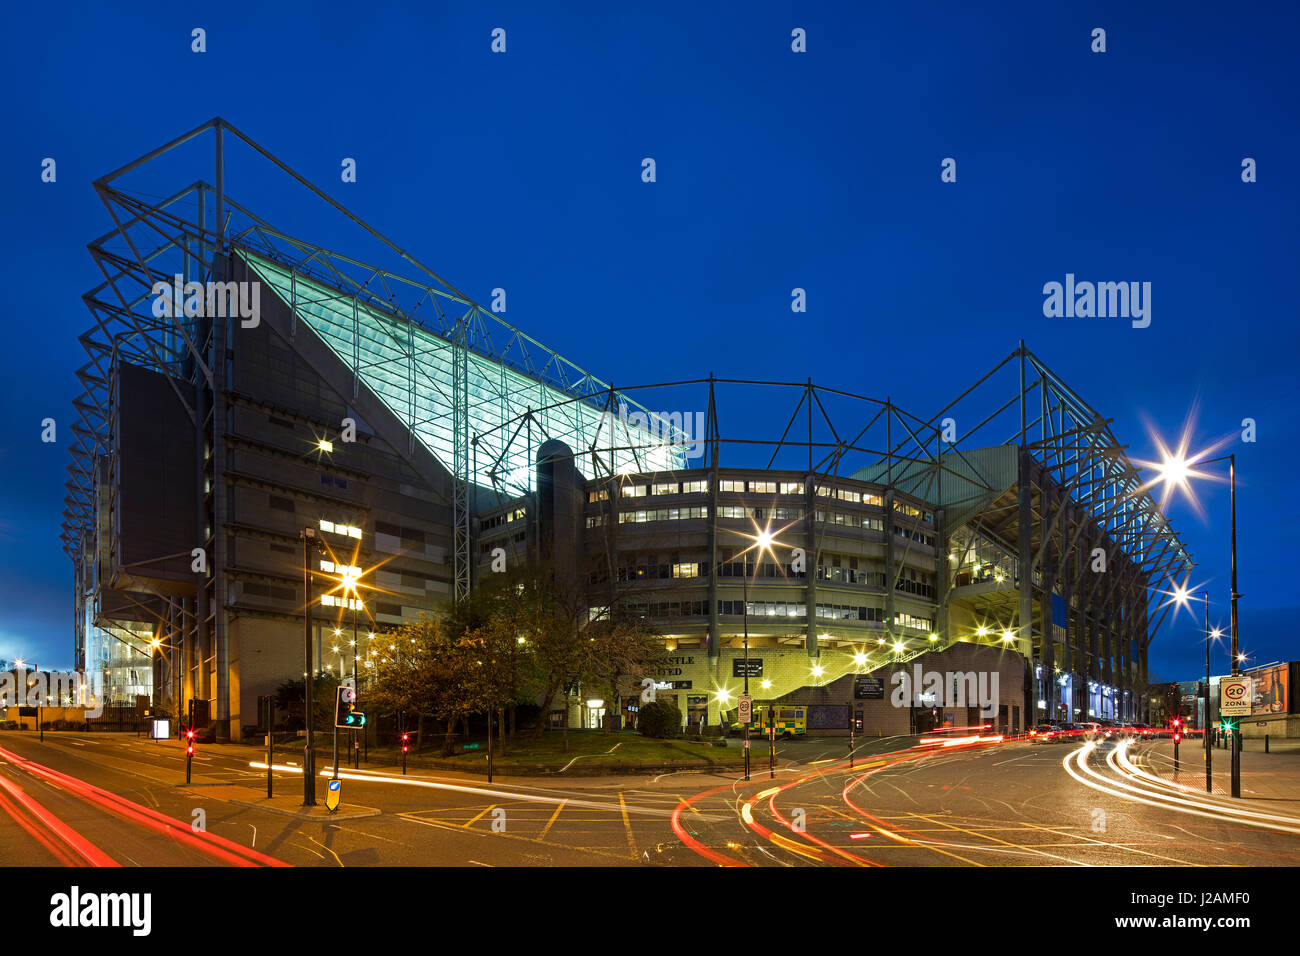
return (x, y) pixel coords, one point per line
(365, 777)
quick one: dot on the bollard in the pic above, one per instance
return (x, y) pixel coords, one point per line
(1266, 743)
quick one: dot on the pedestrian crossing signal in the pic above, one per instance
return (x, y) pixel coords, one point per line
(346, 715)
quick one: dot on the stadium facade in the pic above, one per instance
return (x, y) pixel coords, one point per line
(428, 443)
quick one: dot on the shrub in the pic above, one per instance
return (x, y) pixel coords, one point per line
(660, 720)
(720, 742)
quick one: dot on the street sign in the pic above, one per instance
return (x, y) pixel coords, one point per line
(755, 665)
(746, 709)
(334, 795)
(1234, 696)
(868, 688)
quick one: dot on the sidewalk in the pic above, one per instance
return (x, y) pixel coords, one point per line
(1272, 778)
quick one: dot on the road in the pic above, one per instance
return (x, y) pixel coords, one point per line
(107, 799)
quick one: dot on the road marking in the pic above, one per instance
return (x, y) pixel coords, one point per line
(479, 816)
(631, 843)
(985, 836)
(580, 756)
(554, 816)
(595, 851)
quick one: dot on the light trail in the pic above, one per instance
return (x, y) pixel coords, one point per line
(372, 777)
(1168, 801)
(219, 848)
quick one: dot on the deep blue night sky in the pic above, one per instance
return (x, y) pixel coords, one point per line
(775, 170)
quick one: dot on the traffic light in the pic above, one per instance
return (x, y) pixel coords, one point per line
(346, 715)
(406, 743)
(189, 741)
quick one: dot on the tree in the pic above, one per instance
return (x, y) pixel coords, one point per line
(289, 698)
(530, 605)
(435, 676)
(617, 648)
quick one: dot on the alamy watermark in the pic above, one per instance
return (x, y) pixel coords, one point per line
(1101, 300)
(683, 430)
(242, 300)
(949, 689)
(20, 688)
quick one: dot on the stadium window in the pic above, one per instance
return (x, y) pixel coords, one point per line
(791, 487)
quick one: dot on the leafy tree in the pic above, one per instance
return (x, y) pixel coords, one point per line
(615, 649)
(289, 698)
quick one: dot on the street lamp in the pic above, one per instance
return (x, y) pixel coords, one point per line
(1182, 595)
(1175, 470)
(310, 539)
(763, 541)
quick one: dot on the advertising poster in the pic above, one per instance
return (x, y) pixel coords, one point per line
(1270, 690)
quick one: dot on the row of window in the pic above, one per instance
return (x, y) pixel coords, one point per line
(913, 512)
(760, 514)
(487, 546)
(351, 531)
(920, 537)
(788, 609)
(496, 521)
(850, 519)
(753, 487)
(915, 582)
(351, 604)
(844, 612)
(848, 494)
(661, 514)
(911, 581)
(902, 619)
(644, 572)
(671, 609)
(851, 576)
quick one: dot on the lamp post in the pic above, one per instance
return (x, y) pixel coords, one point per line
(309, 540)
(1174, 471)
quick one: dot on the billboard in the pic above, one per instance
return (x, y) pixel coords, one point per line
(1271, 687)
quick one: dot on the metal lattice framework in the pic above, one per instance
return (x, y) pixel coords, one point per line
(441, 363)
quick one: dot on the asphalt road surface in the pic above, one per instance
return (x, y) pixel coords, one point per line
(97, 799)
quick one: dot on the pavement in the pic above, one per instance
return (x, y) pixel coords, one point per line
(900, 804)
(1273, 777)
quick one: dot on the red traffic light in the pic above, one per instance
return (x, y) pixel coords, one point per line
(1177, 737)
(406, 743)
